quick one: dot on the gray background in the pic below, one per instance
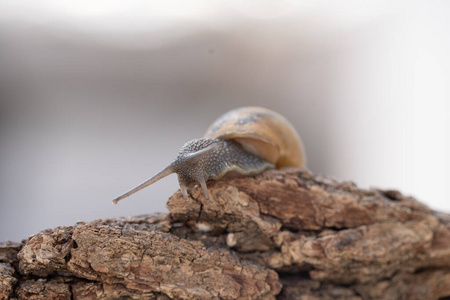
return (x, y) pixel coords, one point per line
(95, 97)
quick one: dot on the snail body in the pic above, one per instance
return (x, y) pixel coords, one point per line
(243, 142)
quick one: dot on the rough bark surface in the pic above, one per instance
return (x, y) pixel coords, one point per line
(283, 234)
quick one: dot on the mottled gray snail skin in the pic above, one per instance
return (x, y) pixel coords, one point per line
(202, 159)
(244, 141)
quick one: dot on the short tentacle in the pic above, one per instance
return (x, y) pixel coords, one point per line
(183, 191)
(204, 187)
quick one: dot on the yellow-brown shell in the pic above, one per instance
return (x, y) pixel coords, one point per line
(262, 132)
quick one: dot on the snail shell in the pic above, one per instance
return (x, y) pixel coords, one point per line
(245, 141)
(262, 132)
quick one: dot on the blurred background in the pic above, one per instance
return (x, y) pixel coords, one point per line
(97, 96)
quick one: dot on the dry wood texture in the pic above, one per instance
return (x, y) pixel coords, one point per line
(283, 234)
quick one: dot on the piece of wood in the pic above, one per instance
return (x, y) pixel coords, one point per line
(283, 234)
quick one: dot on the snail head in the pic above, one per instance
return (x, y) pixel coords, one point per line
(189, 166)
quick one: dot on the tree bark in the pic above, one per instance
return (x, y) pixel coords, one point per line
(283, 234)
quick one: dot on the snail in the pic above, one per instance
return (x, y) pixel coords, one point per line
(242, 142)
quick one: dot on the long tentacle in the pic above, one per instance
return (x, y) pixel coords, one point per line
(163, 173)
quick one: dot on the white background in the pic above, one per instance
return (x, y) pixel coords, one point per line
(95, 97)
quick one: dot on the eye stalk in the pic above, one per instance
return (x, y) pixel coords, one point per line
(160, 175)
